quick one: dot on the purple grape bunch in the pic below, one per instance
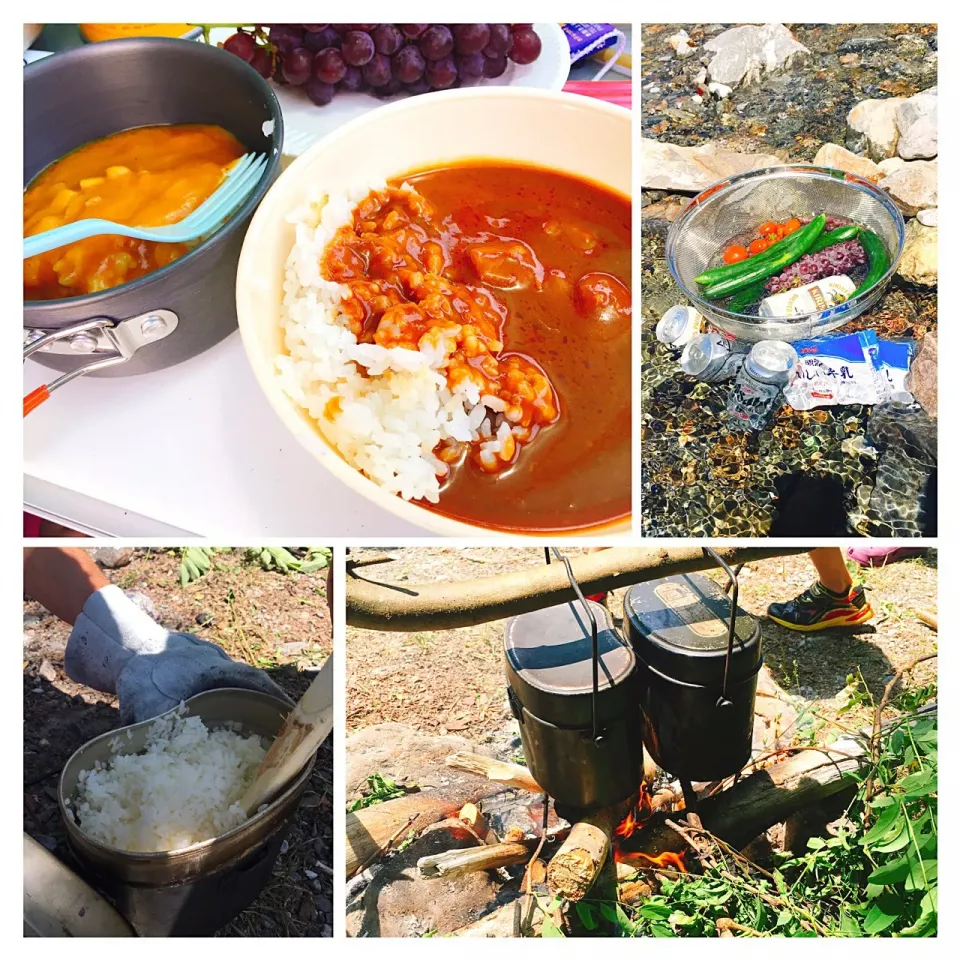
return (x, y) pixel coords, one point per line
(833, 261)
(383, 59)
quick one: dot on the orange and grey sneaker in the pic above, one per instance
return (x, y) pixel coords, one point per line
(818, 608)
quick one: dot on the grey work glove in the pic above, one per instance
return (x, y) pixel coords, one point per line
(117, 648)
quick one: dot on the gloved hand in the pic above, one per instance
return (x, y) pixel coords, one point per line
(117, 648)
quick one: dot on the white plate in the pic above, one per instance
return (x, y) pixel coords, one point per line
(305, 123)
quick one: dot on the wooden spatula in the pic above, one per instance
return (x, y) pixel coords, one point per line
(307, 725)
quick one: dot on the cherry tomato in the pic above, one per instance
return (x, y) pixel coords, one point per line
(767, 228)
(758, 245)
(735, 254)
(791, 225)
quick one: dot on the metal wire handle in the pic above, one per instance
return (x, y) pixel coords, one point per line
(593, 634)
(724, 700)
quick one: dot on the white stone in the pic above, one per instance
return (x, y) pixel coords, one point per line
(682, 45)
(918, 264)
(877, 121)
(744, 54)
(917, 122)
(913, 186)
(664, 166)
(720, 90)
(928, 217)
(696, 98)
(833, 155)
(891, 165)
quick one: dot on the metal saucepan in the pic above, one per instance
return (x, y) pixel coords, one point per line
(196, 890)
(82, 95)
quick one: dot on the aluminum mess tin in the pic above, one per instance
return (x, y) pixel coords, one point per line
(679, 628)
(740, 203)
(197, 890)
(85, 94)
(549, 665)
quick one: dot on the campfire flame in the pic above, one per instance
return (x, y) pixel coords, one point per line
(637, 816)
(643, 861)
(631, 824)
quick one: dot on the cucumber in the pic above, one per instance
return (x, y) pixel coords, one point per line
(716, 274)
(841, 234)
(728, 270)
(878, 259)
(762, 269)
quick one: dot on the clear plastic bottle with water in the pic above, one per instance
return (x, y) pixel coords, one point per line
(757, 391)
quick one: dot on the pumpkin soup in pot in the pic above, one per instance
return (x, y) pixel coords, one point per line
(149, 177)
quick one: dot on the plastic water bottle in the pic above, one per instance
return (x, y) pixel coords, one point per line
(755, 395)
(708, 357)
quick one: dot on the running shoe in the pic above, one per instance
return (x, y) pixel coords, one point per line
(818, 608)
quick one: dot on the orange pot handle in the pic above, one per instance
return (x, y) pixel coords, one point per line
(33, 399)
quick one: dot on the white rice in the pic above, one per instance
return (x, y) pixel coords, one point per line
(391, 420)
(181, 790)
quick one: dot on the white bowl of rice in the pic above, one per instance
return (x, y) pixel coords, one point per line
(284, 306)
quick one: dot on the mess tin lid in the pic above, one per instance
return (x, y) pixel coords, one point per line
(679, 626)
(549, 655)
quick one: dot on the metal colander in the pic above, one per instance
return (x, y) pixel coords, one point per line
(740, 204)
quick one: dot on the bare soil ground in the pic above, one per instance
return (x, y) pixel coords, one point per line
(274, 621)
(453, 680)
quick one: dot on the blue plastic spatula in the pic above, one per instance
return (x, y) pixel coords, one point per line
(236, 187)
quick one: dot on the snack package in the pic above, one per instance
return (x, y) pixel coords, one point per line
(586, 39)
(895, 359)
(837, 370)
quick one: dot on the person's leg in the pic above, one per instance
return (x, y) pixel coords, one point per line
(831, 569)
(833, 601)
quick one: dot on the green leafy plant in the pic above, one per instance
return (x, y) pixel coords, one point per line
(379, 789)
(194, 563)
(875, 875)
(316, 558)
(283, 561)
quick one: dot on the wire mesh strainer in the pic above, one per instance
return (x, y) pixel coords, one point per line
(740, 204)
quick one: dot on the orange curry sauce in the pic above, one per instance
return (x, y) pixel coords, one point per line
(529, 269)
(148, 177)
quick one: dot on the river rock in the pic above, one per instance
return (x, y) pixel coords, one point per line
(664, 166)
(402, 753)
(922, 379)
(891, 165)
(877, 121)
(840, 158)
(744, 54)
(913, 186)
(918, 264)
(917, 122)
(928, 217)
(112, 557)
(682, 44)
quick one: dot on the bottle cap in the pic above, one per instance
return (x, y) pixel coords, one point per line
(772, 360)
